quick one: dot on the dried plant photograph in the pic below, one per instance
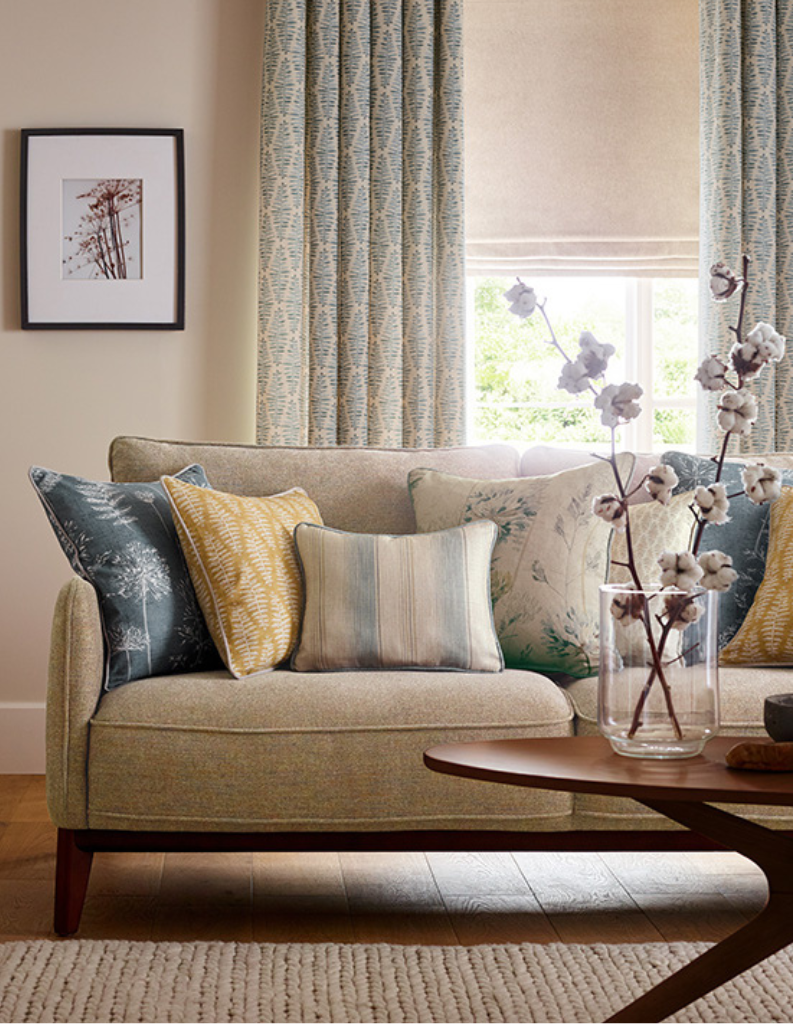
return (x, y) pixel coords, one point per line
(102, 226)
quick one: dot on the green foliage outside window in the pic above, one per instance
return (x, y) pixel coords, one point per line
(516, 370)
(675, 336)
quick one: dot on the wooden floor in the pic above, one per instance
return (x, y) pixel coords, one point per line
(433, 898)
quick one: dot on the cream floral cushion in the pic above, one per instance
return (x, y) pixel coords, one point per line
(550, 557)
(242, 560)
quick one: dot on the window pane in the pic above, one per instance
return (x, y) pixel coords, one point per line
(674, 428)
(675, 338)
(572, 424)
(516, 370)
(515, 365)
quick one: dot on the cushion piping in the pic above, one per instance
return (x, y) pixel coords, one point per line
(297, 730)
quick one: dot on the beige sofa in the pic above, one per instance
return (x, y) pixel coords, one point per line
(298, 761)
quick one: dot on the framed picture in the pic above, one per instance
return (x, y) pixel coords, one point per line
(102, 228)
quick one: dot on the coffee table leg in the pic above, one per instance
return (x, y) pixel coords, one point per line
(765, 934)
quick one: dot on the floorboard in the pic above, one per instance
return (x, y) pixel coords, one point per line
(416, 898)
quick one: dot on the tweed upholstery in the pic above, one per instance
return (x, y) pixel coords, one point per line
(742, 693)
(76, 670)
(363, 490)
(308, 751)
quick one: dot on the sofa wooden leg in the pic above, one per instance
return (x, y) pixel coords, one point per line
(72, 871)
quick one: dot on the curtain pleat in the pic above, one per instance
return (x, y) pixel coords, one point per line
(361, 314)
(282, 381)
(449, 192)
(386, 415)
(323, 47)
(747, 199)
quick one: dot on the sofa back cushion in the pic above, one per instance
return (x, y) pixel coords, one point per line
(363, 490)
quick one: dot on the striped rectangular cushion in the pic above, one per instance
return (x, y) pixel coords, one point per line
(415, 601)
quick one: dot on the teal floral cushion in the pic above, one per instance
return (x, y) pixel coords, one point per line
(744, 538)
(121, 538)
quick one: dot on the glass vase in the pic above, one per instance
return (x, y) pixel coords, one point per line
(658, 693)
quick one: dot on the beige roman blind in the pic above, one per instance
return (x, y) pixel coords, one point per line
(582, 136)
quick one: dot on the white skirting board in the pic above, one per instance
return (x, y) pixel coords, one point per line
(21, 738)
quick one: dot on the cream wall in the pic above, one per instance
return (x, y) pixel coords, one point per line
(191, 64)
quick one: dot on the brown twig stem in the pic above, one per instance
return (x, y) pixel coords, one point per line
(556, 345)
(656, 651)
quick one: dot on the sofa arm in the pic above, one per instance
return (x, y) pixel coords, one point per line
(76, 670)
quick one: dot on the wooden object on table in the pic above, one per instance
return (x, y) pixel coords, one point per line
(760, 756)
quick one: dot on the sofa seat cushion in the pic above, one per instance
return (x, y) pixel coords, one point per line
(312, 751)
(742, 695)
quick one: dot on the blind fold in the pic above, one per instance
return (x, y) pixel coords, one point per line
(582, 136)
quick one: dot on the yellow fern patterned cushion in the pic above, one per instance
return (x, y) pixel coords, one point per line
(766, 634)
(241, 556)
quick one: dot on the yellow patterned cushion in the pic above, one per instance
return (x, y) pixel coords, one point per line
(766, 634)
(241, 556)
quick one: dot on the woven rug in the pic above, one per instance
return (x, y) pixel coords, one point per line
(79, 980)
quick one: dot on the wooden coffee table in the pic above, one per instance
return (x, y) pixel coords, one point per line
(681, 790)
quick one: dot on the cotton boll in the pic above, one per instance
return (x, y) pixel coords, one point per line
(628, 608)
(717, 571)
(594, 355)
(618, 403)
(611, 509)
(711, 373)
(723, 282)
(737, 411)
(522, 299)
(761, 483)
(660, 482)
(681, 611)
(574, 377)
(713, 503)
(679, 570)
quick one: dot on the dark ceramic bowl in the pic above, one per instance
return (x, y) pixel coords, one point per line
(779, 717)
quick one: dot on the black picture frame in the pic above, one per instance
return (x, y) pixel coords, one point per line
(102, 229)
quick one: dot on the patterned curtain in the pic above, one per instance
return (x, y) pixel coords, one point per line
(747, 187)
(361, 310)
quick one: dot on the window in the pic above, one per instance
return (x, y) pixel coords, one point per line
(513, 371)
